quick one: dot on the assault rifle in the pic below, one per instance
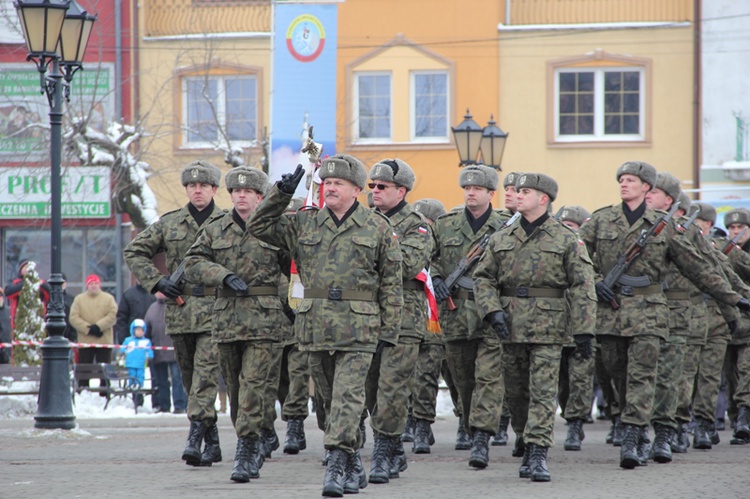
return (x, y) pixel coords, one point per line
(176, 278)
(733, 243)
(617, 274)
(457, 276)
(684, 227)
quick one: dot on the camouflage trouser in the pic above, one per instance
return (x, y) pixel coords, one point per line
(271, 391)
(425, 381)
(708, 380)
(612, 400)
(294, 386)
(448, 378)
(531, 377)
(686, 383)
(477, 369)
(632, 362)
(245, 366)
(668, 375)
(339, 378)
(737, 374)
(388, 387)
(575, 390)
(198, 358)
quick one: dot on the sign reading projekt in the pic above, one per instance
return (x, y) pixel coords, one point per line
(25, 192)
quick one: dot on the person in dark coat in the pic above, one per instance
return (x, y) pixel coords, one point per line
(70, 332)
(4, 329)
(164, 364)
(133, 305)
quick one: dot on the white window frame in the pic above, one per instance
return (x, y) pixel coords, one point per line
(445, 139)
(220, 110)
(599, 135)
(355, 120)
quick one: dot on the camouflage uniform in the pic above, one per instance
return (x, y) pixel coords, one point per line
(357, 266)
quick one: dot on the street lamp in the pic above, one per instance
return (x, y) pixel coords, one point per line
(56, 33)
(471, 139)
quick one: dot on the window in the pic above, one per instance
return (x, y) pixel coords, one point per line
(599, 104)
(212, 105)
(373, 101)
(429, 96)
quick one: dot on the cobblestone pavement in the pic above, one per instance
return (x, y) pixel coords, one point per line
(140, 457)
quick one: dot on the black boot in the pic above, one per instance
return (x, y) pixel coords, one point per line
(611, 434)
(326, 456)
(619, 434)
(538, 463)
(408, 434)
(519, 448)
(381, 462)
(712, 433)
(629, 448)
(258, 454)
(575, 435)
(192, 453)
(681, 439)
(270, 439)
(421, 437)
(241, 469)
(463, 442)
(398, 461)
(701, 440)
(742, 424)
(362, 432)
(333, 483)
(524, 471)
(295, 436)
(480, 451)
(355, 477)
(501, 437)
(212, 450)
(644, 446)
(661, 452)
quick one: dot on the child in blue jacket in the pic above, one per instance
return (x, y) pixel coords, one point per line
(137, 349)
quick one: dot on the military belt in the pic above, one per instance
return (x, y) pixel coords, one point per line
(339, 294)
(254, 291)
(199, 291)
(414, 284)
(524, 292)
(678, 295)
(646, 290)
(464, 294)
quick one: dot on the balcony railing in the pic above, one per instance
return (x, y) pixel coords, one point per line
(188, 17)
(598, 11)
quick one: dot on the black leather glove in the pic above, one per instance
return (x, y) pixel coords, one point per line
(743, 305)
(441, 290)
(235, 283)
(95, 331)
(289, 181)
(604, 292)
(499, 322)
(382, 345)
(584, 345)
(167, 287)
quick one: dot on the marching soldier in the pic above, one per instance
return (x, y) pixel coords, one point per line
(472, 349)
(630, 335)
(392, 370)
(350, 265)
(248, 319)
(188, 325)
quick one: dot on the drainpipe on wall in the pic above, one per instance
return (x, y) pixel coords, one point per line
(697, 95)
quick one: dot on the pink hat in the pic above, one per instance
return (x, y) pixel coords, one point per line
(92, 278)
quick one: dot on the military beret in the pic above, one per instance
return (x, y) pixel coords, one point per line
(685, 202)
(479, 175)
(574, 213)
(538, 181)
(430, 208)
(345, 167)
(201, 172)
(245, 177)
(295, 204)
(669, 184)
(640, 169)
(706, 212)
(737, 216)
(393, 170)
(510, 179)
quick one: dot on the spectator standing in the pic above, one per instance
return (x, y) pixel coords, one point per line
(137, 350)
(132, 305)
(4, 329)
(167, 373)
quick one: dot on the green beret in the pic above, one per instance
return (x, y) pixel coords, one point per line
(510, 179)
(430, 208)
(393, 170)
(540, 182)
(737, 216)
(640, 169)
(706, 212)
(685, 202)
(201, 172)
(479, 175)
(669, 184)
(245, 177)
(345, 167)
(574, 213)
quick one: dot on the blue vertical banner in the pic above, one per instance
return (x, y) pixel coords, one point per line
(304, 82)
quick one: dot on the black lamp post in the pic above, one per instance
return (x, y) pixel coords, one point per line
(471, 139)
(56, 33)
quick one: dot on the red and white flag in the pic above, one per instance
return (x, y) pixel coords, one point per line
(433, 325)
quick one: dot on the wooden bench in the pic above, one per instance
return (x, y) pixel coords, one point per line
(116, 382)
(10, 375)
